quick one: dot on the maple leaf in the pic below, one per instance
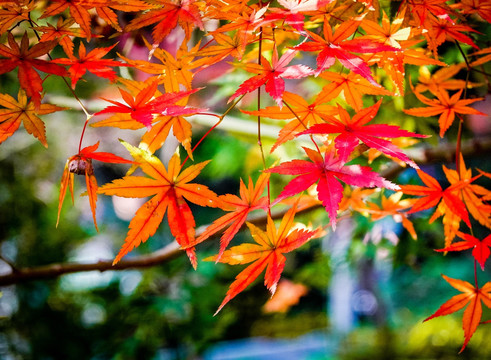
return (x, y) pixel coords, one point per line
(308, 114)
(472, 297)
(327, 172)
(14, 13)
(422, 9)
(272, 75)
(169, 188)
(433, 193)
(173, 70)
(226, 46)
(78, 12)
(444, 106)
(61, 32)
(245, 23)
(91, 62)
(441, 29)
(292, 12)
(442, 79)
(22, 110)
(480, 248)
(154, 138)
(353, 86)
(24, 58)
(167, 14)
(142, 108)
(81, 164)
(267, 254)
(353, 130)
(392, 206)
(480, 7)
(250, 199)
(105, 8)
(335, 46)
(471, 194)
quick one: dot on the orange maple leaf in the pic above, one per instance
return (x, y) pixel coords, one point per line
(308, 115)
(63, 31)
(267, 254)
(14, 13)
(444, 106)
(170, 188)
(250, 199)
(432, 194)
(472, 194)
(392, 206)
(471, 296)
(22, 110)
(167, 14)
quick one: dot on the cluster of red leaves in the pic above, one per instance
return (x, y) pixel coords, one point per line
(263, 39)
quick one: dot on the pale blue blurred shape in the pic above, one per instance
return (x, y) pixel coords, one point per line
(312, 346)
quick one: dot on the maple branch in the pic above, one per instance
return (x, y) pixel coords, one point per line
(442, 153)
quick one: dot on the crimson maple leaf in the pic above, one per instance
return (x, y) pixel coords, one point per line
(24, 58)
(170, 189)
(472, 296)
(81, 164)
(273, 75)
(327, 172)
(267, 254)
(353, 130)
(143, 107)
(91, 62)
(335, 46)
(480, 248)
(250, 199)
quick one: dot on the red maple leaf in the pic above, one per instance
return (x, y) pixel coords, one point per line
(480, 248)
(143, 107)
(81, 164)
(327, 172)
(91, 62)
(353, 130)
(24, 58)
(267, 254)
(335, 46)
(272, 75)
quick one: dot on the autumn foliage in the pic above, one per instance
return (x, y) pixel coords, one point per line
(327, 71)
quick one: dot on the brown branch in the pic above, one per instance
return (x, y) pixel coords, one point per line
(442, 153)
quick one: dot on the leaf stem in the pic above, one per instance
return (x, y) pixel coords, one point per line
(259, 142)
(82, 106)
(303, 124)
(220, 119)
